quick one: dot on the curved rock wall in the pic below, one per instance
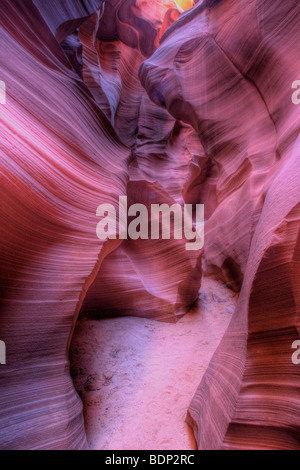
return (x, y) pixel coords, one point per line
(136, 281)
(227, 70)
(56, 148)
(60, 159)
(96, 110)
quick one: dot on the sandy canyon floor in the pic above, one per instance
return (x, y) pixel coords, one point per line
(136, 377)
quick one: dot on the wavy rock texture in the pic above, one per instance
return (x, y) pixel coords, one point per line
(160, 160)
(61, 159)
(245, 58)
(63, 17)
(128, 283)
(95, 110)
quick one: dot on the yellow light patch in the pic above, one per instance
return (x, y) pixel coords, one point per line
(185, 4)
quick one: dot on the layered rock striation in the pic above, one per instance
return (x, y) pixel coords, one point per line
(227, 69)
(124, 98)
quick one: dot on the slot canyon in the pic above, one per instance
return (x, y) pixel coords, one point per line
(136, 342)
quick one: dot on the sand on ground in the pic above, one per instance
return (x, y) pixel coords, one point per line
(136, 377)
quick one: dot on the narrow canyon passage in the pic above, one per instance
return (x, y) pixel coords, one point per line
(146, 144)
(137, 377)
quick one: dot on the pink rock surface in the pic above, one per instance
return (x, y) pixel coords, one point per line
(248, 126)
(248, 398)
(56, 147)
(64, 16)
(96, 110)
(60, 159)
(129, 284)
(159, 165)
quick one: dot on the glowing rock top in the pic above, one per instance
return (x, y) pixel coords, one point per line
(184, 5)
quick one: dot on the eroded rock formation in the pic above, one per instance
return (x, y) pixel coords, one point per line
(120, 97)
(60, 159)
(56, 146)
(246, 59)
